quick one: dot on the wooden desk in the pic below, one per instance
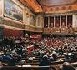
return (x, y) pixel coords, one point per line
(26, 68)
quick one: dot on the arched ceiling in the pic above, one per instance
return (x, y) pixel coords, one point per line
(56, 2)
(50, 6)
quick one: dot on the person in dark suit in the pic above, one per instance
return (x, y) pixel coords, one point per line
(44, 62)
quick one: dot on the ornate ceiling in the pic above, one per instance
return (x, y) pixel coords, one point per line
(56, 2)
(50, 6)
(32, 4)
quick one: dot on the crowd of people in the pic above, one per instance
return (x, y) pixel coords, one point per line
(12, 49)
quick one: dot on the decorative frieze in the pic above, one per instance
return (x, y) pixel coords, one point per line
(11, 23)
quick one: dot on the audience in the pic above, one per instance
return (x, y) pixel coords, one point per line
(48, 49)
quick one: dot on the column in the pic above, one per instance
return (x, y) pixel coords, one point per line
(60, 21)
(54, 21)
(48, 21)
(66, 20)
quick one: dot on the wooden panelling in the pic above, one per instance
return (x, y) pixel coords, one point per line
(64, 30)
(59, 30)
(38, 29)
(33, 29)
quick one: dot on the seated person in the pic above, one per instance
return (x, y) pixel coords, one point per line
(54, 55)
(67, 66)
(44, 62)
